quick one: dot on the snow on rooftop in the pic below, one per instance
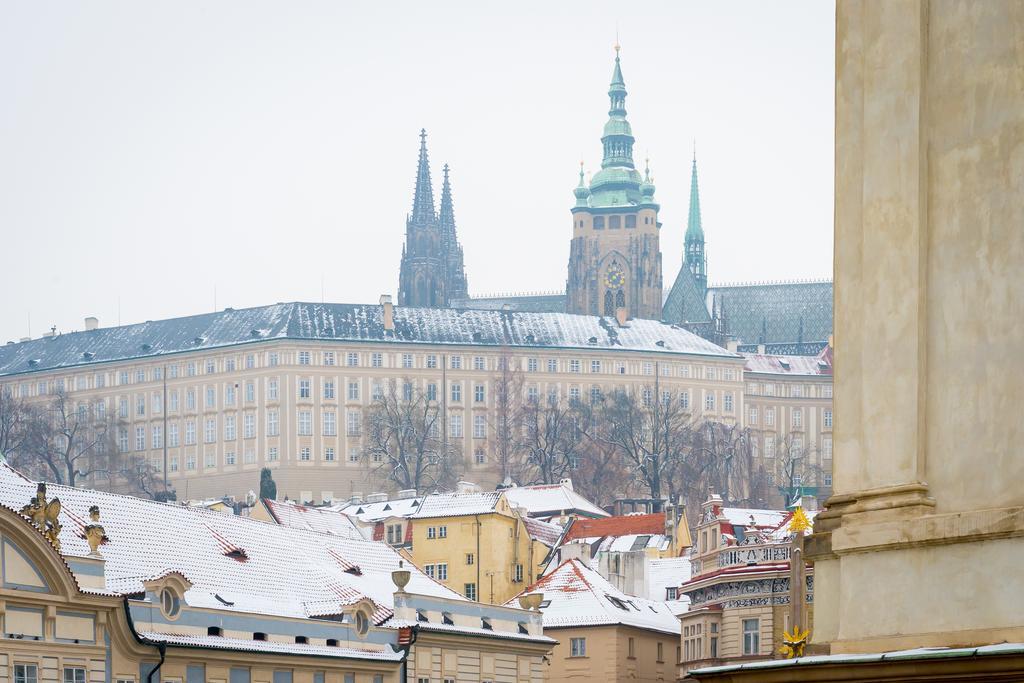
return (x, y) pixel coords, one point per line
(552, 499)
(671, 572)
(380, 510)
(267, 646)
(580, 596)
(762, 518)
(348, 322)
(288, 572)
(456, 504)
(322, 519)
(545, 532)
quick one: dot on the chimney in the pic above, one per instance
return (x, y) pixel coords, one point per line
(389, 312)
(732, 345)
(91, 323)
(466, 487)
(621, 317)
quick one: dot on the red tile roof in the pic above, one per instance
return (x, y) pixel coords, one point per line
(616, 526)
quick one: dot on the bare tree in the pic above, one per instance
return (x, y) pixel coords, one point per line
(718, 458)
(650, 432)
(551, 439)
(14, 416)
(507, 418)
(404, 438)
(787, 467)
(67, 441)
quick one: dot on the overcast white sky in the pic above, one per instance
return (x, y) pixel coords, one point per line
(152, 153)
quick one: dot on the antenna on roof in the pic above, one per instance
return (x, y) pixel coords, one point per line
(214, 297)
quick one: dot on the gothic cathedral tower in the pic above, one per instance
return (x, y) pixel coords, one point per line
(615, 257)
(432, 271)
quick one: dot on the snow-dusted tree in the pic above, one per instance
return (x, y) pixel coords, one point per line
(405, 442)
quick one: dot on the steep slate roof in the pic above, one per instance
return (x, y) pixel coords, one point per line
(624, 525)
(322, 519)
(780, 307)
(285, 571)
(580, 596)
(544, 500)
(268, 646)
(345, 322)
(685, 302)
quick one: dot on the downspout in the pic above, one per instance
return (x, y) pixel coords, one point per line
(478, 558)
(407, 648)
(161, 647)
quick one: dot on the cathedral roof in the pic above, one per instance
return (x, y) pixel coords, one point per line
(685, 302)
(347, 323)
(781, 312)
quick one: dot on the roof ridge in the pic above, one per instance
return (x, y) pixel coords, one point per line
(758, 283)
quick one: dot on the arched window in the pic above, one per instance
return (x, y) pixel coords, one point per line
(620, 299)
(609, 303)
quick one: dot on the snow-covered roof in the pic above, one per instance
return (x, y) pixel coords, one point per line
(545, 532)
(580, 596)
(281, 571)
(323, 519)
(456, 504)
(545, 500)
(272, 647)
(349, 323)
(379, 510)
(809, 366)
(671, 572)
(762, 518)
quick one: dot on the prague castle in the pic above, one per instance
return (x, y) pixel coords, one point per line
(615, 261)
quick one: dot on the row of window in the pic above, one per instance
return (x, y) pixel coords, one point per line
(354, 359)
(786, 389)
(578, 648)
(796, 416)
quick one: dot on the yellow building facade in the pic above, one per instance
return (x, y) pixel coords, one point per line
(477, 544)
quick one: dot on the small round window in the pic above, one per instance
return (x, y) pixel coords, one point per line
(169, 603)
(362, 623)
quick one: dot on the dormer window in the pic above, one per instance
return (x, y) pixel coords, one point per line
(485, 624)
(214, 631)
(170, 603)
(259, 635)
(421, 615)
(522, 628)
(446, 618)
(301, 640)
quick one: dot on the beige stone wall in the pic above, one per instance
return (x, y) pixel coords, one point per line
(438, 662)
(919, 542)
(608, 655)
(203, 470)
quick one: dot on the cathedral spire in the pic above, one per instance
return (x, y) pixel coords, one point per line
(446, 217)
(423, 199)
(694, 256)
(618, 135)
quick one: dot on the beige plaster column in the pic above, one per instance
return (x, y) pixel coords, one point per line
(919, 543)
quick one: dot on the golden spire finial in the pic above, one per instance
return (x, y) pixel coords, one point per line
(617, 46)
(799, 523)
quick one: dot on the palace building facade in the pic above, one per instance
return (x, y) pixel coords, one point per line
(214, 398)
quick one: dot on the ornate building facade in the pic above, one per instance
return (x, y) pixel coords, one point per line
(432, 271)
(614, 257)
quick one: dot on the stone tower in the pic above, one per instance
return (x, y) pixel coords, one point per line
(432, 270)
(615, 258)
(693, 253)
